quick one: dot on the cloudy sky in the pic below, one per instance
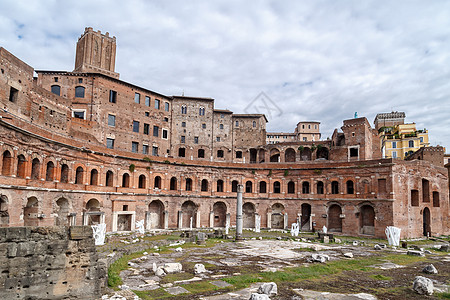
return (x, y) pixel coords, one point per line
(314, 60)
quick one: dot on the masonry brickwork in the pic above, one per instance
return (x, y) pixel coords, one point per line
(49, 263)
(83, 147)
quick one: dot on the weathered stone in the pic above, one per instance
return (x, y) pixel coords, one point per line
(268, 288)
(199, 268)
(172, 268)
(80, 232)
(348, 254)
(377, 247)
(430, 269)
(256, 296)
(423, 285)
(415, 253)
(319, 258)
(160, 272)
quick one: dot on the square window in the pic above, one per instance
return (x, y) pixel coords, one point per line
(166, 119)
(218, 138)
(135, 126)
(112, 120)
(204, 126)
(112, 96)
(155, 151)
(137, 98)
(134, 147)
(166, 106)
(109, 143)
(56, 79)
(78, 114)
(147, 100)
(80, 80)
(146, 128)
(144, 149)
(155, 131)
(164, 134)
(157, 103)
(147, 114)
(183, 124)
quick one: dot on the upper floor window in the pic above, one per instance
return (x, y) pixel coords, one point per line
(135, 126)
(147, 100)
(221, 126)
(254, 123)
(183, 124)
(421, 139)
(204, 125)
(144, 149)
(394, 144)
(164, 133)
(157, 103)
(201, 111)
(56, 79)
(411, 144)
(112, 96)
(155, 131)
(112, 120)
(134, 147)
(184, 109)
(56, 89)
(80, 80)
(155, 150)
(237, 123)
(195, 139)
(146, 128)
(221, 115)
(183, 139)
(79, 92)
(137, 98)
(79, 114)
(166, 106)
(110, 143)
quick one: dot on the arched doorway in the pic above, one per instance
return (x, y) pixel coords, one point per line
(156, 215)
(49, 173)
(30, 212)
(322, 153)
(248, 214)
(305, 154)
(220, 214)
(6, 163)
(367, 220)
(93, 213)
(261, 155)
(274, 155)
(21, 166)
(289, 155)
(277, 220)
(4, 214)
(426, 222)
(188, 211)
(62, 212)
(35, 169)
(334, 218)
(253, 155)
(305, 220)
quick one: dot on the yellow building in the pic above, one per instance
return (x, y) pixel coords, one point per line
(400, 140)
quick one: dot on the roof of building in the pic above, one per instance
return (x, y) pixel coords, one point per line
(194, 98)
(250, 116)
(223, 111)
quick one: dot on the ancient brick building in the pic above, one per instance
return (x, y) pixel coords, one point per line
(85, 147)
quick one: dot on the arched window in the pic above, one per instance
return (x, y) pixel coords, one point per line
(79, 175)
(276, 187)
(49, 173)
(201, 153)
(319, 187)
(254, 123)
(291, 187)
(35, 169)
(305, 187)
(56, 89)
(188, 184)
(6, 163)
(126, 180)
(350, 189)
(79, 92)
(21, 166)
(142, 180)
(262, 187)
(234, 185)
(183, 109)
(173, 184)
(335, 187)
(220, 185)
(157, 183)
(94, 177)
(204, 187)
(65, 173)
(248, 187)
(201, 111)
(109, 178)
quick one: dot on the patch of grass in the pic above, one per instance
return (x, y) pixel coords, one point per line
(443, 295)
(201, 287)
(380, 277)
(119, 265)
(169, 278)
(153, 294)
(242, 281)
(403, 259)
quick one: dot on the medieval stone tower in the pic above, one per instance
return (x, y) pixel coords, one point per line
(96, 53)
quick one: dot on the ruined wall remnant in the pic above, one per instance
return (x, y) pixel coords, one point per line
(49, 263)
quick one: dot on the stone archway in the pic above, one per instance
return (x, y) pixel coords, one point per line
(277, 217)
(62, 212)
(30, 212)
(220, 214)
(289, 155)
(367, 220)
(334, 218)
(93, 214)
(248, 214)
(189, 210)
(306, 217)
(155, 215)
(426, 222)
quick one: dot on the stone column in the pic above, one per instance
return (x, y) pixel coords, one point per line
(211, 219)
(147, 220)
(286, 224)
(269, 220)
(197, 219)
(180, 219)
(239, 220)
(166, 219)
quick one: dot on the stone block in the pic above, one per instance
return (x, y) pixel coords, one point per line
(12, 250)
(26, 248)
(80, 232)
(17, 234)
